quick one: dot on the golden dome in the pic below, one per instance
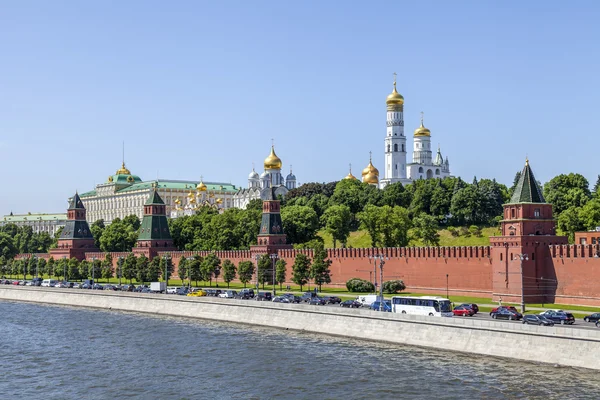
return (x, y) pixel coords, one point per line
(370, 169)
(371, 179)
(191, 195)
(123, 170)
(421, 130)
(273, 162)
(350, 176)
(394, 98)
(177, 201)
(219, 201)
(201, 186)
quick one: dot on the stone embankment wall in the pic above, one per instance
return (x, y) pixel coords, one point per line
(570, 347)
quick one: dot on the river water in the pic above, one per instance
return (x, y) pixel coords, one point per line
(54, 352)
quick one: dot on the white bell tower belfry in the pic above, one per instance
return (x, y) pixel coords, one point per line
(395, 141)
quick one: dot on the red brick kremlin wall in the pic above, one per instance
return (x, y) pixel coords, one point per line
(569, 273)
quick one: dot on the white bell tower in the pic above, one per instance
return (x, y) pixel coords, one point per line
(395, 141)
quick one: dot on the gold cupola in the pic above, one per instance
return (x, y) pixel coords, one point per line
(421, 130)
(350, 176)
(272, 161)
(370, 174)
(123, 170)
(394, 101)
(201, 186)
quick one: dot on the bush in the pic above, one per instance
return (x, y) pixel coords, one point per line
(464, 231)
(475, 230)
(360, 286)
(394, 286)
(453, 231)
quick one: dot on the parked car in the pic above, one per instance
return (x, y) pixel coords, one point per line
(292, 297)
(595, 317)
(16, 283)
(280, 299)
(182, 291)
(171, 290)
(332, 299)
(197, 293)
(463, 311)
(317, 301)
(533, 319)
(307, 296)
(264, 296)
(559, 317)
(110, 287)
(247, 293)
(506, 313)
(473, 306)
(62, 285)
(387, 305)
(505, 307)
(229, 294)
(351, 304)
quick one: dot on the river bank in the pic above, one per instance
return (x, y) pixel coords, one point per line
(570, 347)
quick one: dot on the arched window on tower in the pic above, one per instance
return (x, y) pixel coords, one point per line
(420, 170)
(396, 147)
(388, 148)
(403, 148)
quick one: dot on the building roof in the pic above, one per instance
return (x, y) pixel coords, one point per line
(154, 198)
(171, 184)
(527, 189)
(75, 203)
(34, 217)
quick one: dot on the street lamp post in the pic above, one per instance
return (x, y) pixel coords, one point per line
(166, 258)
(522, 257)
(35, 260)
(257, 257)
(93, 267)
(64, 268)
(120, 265)
(273, 258)
(447, 292)
(381, 258)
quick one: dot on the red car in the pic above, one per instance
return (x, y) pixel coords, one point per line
(463, 311)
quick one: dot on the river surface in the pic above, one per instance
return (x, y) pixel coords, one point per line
(53, 352)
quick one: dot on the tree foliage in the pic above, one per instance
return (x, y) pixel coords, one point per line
(301, 270)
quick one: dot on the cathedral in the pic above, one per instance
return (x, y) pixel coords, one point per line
(396, 167)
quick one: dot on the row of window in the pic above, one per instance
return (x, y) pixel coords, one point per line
(395, 147)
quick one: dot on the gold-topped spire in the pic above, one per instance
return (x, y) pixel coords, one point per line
(421, 130)
(201, 186)
(526, 161)
(123, 170)
(370, 174)
(272, 161)
(395, 99)
(350, 176)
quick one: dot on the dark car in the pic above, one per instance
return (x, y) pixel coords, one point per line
(247, 293)
(504, 307)
(387, 305)
(317, 301)
(292, 298)
(351, 304)
(307, 296)
(533, 319)
(264, 296)
(505, 313)
(595, 317)
(472, 306)
(110, 287)
(332, 299)
(36, 282)
(559, 317)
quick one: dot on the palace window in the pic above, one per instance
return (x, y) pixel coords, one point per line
(536, 213)
(396, 147)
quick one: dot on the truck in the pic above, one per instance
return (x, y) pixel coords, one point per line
(158, 287)
(367, 300)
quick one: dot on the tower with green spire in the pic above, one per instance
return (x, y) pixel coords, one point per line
(519, 255)
(154, 233)
(76, 237)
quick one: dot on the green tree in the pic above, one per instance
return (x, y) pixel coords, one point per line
(263, 269)
(120, 235)
(194, 264)
(348, 193)
(597, 186)
(395, 224)
(395, 194)
(141, 268)
(107, 271)
(154, 270)
(568, 222)
(42, 270)
(426, 229)
(370, 220)
(209, 266)
(280, 272)
(7, 246)
(319, 268)
(301, 270)
(50, 266)
(589, 215)
(128, 267)
(97, 229)
(84, 270)
(394, 286)
(245, 271)
(166, 267)
(337, 220)
(229, 271)
(73, 269)
(565, 191)
(182, 270)
(300, 223)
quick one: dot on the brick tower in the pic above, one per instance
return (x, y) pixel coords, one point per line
(154, 233)
(271, 236)
(520, 256)
(76, 238)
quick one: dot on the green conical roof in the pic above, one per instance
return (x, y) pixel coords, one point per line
(527, 189)
(154, 198)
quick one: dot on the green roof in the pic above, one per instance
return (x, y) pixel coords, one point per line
(154, 199)
(527, 189)
(122, 179)
(154, 227)
(35, 217)
(91, 193)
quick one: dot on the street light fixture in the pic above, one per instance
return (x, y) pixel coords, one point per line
(381, 258)
(273, 258)
(447, 292)
(120, 265)
(35, 260)
(257, 257)
(522, 257)
(93, 268)
(166, 258)
(64, 268)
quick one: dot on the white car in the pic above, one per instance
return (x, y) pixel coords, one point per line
(171, 290)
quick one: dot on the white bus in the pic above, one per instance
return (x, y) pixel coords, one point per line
(426, 305)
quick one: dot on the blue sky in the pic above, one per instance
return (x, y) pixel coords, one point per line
(200, 88)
